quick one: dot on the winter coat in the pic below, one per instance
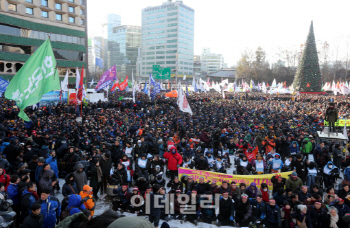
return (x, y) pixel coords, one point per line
(300, 217)
(121, 175)
(5, 178)
(273, 214)
(173, 159)
(188, 187)
(188, 152)
(294, 184)
(33, 221)
(251, 193)
(117, 153)
(173, 186)
(80, 177)
(46, 182)
(89, 203)
(258, 140)
(279, 198)
(3, 145)
(227, 208)
(156, 211)
(70, 187)
(303, 196)
(75, 205)
(4, 163)
(37, 173)
(243, 210)
(53, 163)
(342, 209)
(12, 191)
(202, 188)
(106, 165)
(65, 223)
(27, 201)
(207, 211)
(317, 216)
(71, 159)
(307, 148)
(277, 185)
(93, 176)
(258, 209)
(123, 196)
(51, 210)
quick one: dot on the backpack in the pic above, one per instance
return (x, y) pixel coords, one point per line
(65, 213)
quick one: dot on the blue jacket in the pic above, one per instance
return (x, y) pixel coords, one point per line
(74, 202)
(51, 210)
(279, 198)
(3, 145)
(347, 173)
(122, 195)
(27, 201)
(206, 210)
(273, 214)
(37, 173)
(294, 150)
(12, 191)
(53, 163)
(258, 209)
(342, 209)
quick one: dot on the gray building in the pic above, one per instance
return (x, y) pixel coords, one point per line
(167, 38)
(123, 47)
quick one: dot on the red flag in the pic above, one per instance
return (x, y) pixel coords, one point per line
(80, 89)
(116, 84)
(124, 84)
(267, 85)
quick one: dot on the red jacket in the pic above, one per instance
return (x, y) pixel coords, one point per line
(173, 159)
(4, 180)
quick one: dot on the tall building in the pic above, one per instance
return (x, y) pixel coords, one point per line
(124, 44)
(167, 38)
(26, 24)
(215, 61)
(113, 20)
(96, 58)
(200, 67)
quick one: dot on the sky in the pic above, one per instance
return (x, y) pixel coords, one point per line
(230, 27)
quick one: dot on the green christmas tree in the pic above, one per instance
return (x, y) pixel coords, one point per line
(308, 77)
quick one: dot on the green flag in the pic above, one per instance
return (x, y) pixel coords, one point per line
(35, 78)
(120, 98)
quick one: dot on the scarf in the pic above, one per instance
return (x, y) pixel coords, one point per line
(334, 220)
(265, 195)
(35, 194)
(99, 173)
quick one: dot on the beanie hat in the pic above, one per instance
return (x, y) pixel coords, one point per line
(294, 174)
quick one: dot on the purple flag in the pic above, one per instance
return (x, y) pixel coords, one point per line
(107, 78)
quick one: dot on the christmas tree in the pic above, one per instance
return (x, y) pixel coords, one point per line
(308, 77)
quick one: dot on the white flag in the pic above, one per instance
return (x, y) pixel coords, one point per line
(91, 83)
(184, 78)
(345, 90)
(77, 80)
(182, 101)
(64, 83)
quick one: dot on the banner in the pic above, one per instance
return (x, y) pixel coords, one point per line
(220, 177)
(53, 98)
(3, 86)
(107, 78)
(124, 84)
(37, 76)
(339, 123)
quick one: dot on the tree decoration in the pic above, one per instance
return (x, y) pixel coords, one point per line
(309, 68)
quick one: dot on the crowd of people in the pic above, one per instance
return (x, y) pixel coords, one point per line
(139, 147)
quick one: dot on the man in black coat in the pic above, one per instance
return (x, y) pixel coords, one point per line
(227, 210)
(106, 165)
(117, 152)
(299, 165)
(121, 175)
(71, 159)
(34, 219)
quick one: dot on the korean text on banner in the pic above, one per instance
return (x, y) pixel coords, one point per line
(220, 177)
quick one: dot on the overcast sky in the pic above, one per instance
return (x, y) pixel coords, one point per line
(229, 27)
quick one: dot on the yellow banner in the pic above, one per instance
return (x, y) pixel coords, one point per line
(220, 177)
(339, 123)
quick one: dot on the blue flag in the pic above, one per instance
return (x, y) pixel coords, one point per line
(155, 90)
(151, 80)
(145, 89)
(186, 89)
(3, 85)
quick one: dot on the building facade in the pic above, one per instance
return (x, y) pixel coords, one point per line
(167, 38)
(215, 61)
(26, 24)
(96, 57)
(125, 42)
(200, 67)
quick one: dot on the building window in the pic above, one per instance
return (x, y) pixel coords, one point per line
(70, 0)
(44, 2)
(30, 11)
(12, 7)
(31, 1)
(81, 12)
(44, 14)
(82, 21)
(71, 9)
(58, 6)
(71, 20)
(59, 17)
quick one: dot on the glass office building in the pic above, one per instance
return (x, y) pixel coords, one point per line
(167, 38)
